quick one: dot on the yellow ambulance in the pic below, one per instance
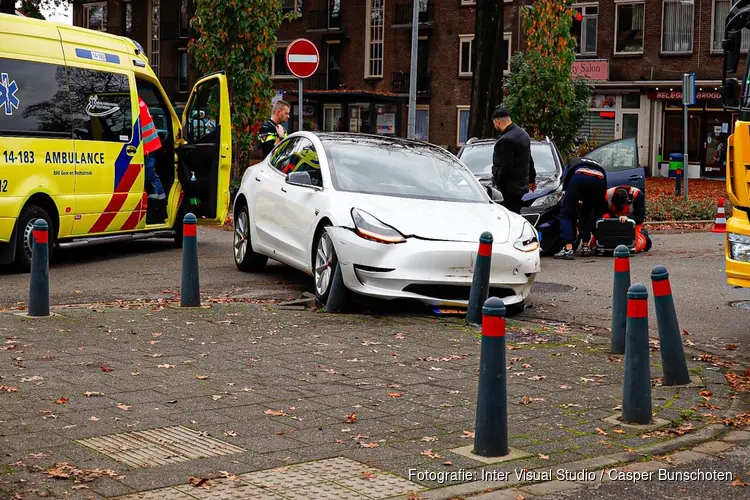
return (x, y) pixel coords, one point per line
(71, 148)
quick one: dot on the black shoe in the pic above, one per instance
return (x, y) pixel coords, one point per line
(586, 252)
(564, 254)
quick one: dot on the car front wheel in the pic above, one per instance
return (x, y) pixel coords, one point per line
(324, 266)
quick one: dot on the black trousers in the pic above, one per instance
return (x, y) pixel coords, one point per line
(513, 202)
(592, 193)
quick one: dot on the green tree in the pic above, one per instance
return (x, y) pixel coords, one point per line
(542, 95)
(239, 37)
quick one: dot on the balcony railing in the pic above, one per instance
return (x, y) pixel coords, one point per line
(323, 81)
(400, 83)
(325, 19)
(403, 9)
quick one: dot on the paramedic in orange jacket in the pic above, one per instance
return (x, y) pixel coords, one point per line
(628, 202)
(151, 144)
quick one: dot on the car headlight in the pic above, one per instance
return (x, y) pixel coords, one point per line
(549, 200)
(528, 241)
(739, 247)
(370, 228)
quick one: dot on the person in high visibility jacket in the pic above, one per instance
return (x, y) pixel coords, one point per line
(628, 202)
(151, 144)
(272, 132)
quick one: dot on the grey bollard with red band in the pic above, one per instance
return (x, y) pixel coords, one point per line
(190, 294)
(39, 285)
(636, 393)
(670, 341)
(620, 287)
(480, 283)
(491, 434)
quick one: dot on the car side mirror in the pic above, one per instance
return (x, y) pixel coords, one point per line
(494, 194)
(730, 93)
(299, 179)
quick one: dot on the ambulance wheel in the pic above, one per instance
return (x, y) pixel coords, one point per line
(25, 235)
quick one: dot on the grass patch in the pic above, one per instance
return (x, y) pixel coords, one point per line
(669, 403)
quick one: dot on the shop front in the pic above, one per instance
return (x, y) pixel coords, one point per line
(709, 127)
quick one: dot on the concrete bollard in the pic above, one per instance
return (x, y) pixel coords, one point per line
(190, 293)
(337, 296)
(39, 286)
(636, 393)
(480, 283)
(670, 340)
(491, 434)
(620, 299)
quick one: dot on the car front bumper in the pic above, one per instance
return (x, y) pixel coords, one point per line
(434, 272)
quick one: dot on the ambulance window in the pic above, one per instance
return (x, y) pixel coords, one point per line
(156, 106)
(35, 101)
(203, 114)
(101, 105)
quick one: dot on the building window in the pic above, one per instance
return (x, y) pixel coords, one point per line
(374, 45)
(182, 70)
(155, 36)
(279, 68)
(721, 9)
(584, 28)
(677, 27)
(629, 27)
(465, 59)
(462, 134)
(129, 18)
(95, 16)
(507, 49)
(184, 19)
(332, 119)
(422, 124)
(291, 6)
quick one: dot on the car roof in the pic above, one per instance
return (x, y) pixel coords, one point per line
(483, 142)
(372, 139)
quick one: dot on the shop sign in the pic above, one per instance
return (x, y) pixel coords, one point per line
(386, 123)
(699, 96)
(596, 69)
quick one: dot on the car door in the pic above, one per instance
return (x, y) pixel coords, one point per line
(620, 160)
(296, 214)
(267, 200)
(205, 159)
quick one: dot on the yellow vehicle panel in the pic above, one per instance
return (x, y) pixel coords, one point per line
(738, 273)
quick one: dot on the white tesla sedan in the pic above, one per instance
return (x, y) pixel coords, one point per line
(401, 218)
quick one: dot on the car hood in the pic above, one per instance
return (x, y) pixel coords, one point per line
(545, 184)
(438, 220)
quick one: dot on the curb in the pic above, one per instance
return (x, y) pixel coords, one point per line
(515, 488)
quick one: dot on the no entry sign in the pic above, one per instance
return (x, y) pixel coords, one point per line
(302, 58)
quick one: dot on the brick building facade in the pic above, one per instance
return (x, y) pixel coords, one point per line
(633, 51)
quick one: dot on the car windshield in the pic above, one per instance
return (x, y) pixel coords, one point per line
(479, 158)
(403, 170)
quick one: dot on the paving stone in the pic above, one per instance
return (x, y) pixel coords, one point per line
(323, 491)
(228, 489)
(686, 456)
(736, 436)
(550, 487)
(713, 447)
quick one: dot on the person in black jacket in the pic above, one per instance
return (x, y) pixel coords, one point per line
(628, 202)
(271, 132)
(584, 182)
(513, 170)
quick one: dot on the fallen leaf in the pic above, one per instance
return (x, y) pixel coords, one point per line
(226, 322)
(124, 407)
(730, 347)
(351, 418)
(166, 366)
(564, 387)
(706, 394)
(430, 454)
(200, 482)
(93, 394)
(228, 475)
(738, 482)
(538, 377)
(230, 434)
(601, 432)
(571, 405)
(526, 365)
(525, 400)
(94, 419)
(368, 445)
(202, 377)
(448, 463)
(106, 368)
(429, 439)
(618, 431)
(7, 388)
(216, 397)
(394, 394)
(685, 332)
(543, 457)
(368, 475)
(275, 413)
(62, 401)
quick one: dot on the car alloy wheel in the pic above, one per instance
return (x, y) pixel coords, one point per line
(325, 262)
(241, 231)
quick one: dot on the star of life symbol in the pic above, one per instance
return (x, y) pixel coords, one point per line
(8, 91)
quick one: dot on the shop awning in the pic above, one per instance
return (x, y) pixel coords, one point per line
(349, 96)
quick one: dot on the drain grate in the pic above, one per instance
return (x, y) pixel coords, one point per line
(154, 447)
(332, 478)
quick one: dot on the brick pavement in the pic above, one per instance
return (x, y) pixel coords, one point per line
(232, 389)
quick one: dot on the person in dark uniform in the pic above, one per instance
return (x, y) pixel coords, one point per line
(627, 202)
(584, 182)
(271, 132)
(513, 172)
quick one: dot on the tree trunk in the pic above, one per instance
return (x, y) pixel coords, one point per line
(489, 60)
(8, 6)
